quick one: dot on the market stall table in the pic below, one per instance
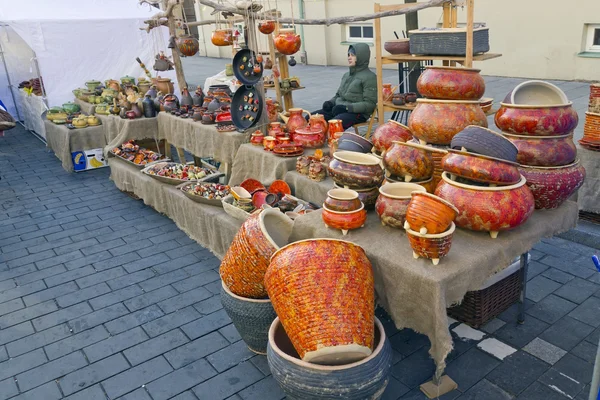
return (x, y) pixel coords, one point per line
(119, 130)
(63, 141)
(305, 188)
(208, 225)
(588, 196)
(86, 108)
(254, 162)
(414, 291)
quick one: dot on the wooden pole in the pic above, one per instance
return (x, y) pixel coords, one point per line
(469, 55)
(412, 22)
(176, 60)
(379, 63)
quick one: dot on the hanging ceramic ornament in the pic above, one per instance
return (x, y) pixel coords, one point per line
(188, 45)
(292, 61)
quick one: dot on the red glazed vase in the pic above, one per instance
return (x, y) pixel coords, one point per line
(335, 131)
(271, 110)
(429, 214)
(247, 259)
(287, 42)
(409, 161)
(433, 247)
(355, 170)
(309, 138)
(387, 92)
(188, 45)
(389, 132)
(266, 27)
(551, 120)
(488, 209)
(296, 120)
(451, 83)
(437, 121)
(551, 186)
(344, 221)
(479, 168)
(544, 151)
(393, 201)
(324, 294)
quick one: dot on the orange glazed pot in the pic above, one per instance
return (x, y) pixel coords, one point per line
(266, 27)
(393, 201)
(247, 259)
(317, 121)
(296, 120)
(309, 138)
(488, 209)
(544, 151)
(409, 161)
(345, 221)
(323, 292)
(433, 247)
(536, 120)
(479, 168)
(437, 121)
(287, 42)
(551, 186)
(451, 83)
(222, 37)
(342, 200)
(386, 134)
(355, 170)
(429, 214)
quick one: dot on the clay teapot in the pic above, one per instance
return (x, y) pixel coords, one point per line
(128, 80)
(112, 84)
(287, 42)
(296, 120)
(80, 122)
(317, 121)
(92, 120)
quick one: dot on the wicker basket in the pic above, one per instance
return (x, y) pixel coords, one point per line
(448, 41)
(480, 306)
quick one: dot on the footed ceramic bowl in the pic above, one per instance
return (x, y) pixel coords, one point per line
(552, 186)
(344, 200)
(430, 246)
(355, 170)
(409, 161)
(345, 221)
(480, 168)
(544, 151)
(392, 202)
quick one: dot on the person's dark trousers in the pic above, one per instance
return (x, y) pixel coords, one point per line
(348, 119)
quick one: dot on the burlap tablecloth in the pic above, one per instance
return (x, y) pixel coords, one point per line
(119, 130)
(588, 196)
(208, 225)
(307, 189)
(63, 141)
(200, 140)
(415, 292)
(254, 162)
(86, 107)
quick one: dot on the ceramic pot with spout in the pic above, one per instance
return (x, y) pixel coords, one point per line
(296, 120)
(198, 97)
(317, 121)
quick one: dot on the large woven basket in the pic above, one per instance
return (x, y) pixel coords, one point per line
(247, 259)
(448, 41)
(323, 292)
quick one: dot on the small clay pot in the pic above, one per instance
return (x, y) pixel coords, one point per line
(367, 196)
(355, 170)
(431, 246)
(344, 221)
(342, 200)
(429, 214)
(392, 202)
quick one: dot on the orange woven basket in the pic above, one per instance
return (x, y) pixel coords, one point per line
(247, 259)
(323, 292)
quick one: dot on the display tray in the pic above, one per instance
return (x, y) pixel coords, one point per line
(184, 187)
(174, 181)
(241, 215)
(148, 144)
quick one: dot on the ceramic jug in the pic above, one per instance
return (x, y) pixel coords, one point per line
(198, 97)
(317, 121)
(296, 120)
(148, 106)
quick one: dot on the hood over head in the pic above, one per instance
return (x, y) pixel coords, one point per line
(363, 56)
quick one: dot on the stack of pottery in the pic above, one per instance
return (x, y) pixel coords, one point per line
(386, 134)
(326, 341)
(242, 271)
(539, 119)
(360, 172)
(349, 141)
(392, 202)
(591, 129)
(343, 210)
(429, 225)
(413, 162)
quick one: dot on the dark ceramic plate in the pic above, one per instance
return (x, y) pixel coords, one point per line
(243, 67)
(246, 107)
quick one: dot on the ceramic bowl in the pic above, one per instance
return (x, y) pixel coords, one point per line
(409, 161)
(352, 142)
(367, 196)
(427, 213)
(479, 168)
(536, 120)
(398, 46)
(537, 93)
(355, 170)
(344, 221)
(393, 201)
(476, 139)
(544, 151)
(309, 138)
(451, 83)
(428, 185)
(488, 209)
(551, 186)
(429, 246)
(239, 192)
(386, 134)
(342, 200)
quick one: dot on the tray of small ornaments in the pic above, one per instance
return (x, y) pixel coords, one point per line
(175, 173)
(251, 195)
(205, 192)
(139, 154)
(224, 122)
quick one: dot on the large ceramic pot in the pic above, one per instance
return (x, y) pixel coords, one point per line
(355, 170)
(451, 83)
(344, 221)
(532, 120)
(188, 45)
(323, 292)
(300, 380)
(296, 120)
(409, 161)
(428, 184)
(430, 214)
(389, 132)
(538, 93)
(164, 85)
(430, 246)
(393, 201)
(544, 151)
(287, 42)
(222, 37)
(342, 200)
(71, 108)
(367, 196)
(479, 168)
(476, 139)
(488, 209)
(251, 317)
(437, 121)
(309, 138)
(551, 186)
(247, 259)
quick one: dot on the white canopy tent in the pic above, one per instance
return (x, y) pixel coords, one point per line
(69, 42)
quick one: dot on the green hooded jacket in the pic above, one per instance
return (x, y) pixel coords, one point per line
(359, 85)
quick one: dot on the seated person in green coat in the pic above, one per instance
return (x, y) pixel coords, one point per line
(356, 98)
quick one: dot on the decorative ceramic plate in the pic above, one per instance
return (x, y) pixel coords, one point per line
(296, 154)
(279, 187)
(252, 185)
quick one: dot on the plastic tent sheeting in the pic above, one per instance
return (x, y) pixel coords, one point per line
(75, 41)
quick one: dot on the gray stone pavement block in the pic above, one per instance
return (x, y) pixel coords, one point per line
(170, 321)
(177, 263)
(417, 394)
(551, 309)
(114, 344)
(408, 346)
(268, 389)
(101, 276)
(83, 295)
(16, 332)
(135, 377)
(149, 298)
(535, 269)
(22, 291)
(97, 317)
(540, 287)
(577, 290)
(129, 247)
(484, 389)
(113, 262)
(11, 305)
(15, 272)
(51, 370)
(545, 351)
(196, 350)
(48, 391)
(557, 275)
(37, 340)
(134, 319)
(76, 342)
(69, 276)
(230, 333)
(519, 335)
(163, 280)
(87, 260)
(23, 244)
(207, 324)
(586, 351)
(139, 394)
(414, 369)
(209, 305)
(180, 380)
(228, 383)
(517, 372)
(183, 300)
(8, 388)
(229, 356)
(159, 248)
(116, 296)
(51, 293)
(26, 314)
(155, 346)
(575, 368)
(566, 333)
(260, 362)
(91, 393)
(568, 266)
(62, 259)
(130, 279)
(8, 284)
(539, 391)
(189, 395)
(93, 374)
(471, 367)
(145, 262)
(561, 383)
(3, 354)
(195, 281)
(393, 391)
(588, 312)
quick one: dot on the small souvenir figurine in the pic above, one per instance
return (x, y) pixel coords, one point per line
(302, 165)
(316, 171)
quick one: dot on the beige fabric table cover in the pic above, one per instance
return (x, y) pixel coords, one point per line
(200, 140)
(306, 189)
(415, 292)
(86, 108)
(119, 130)
(208, 225)
(63, 141)
(254, 162)
(588, 196)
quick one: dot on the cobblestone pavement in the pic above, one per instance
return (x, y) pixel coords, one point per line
(101, 297)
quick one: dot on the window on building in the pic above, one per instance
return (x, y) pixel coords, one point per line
(592, 38)
(359, 33)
